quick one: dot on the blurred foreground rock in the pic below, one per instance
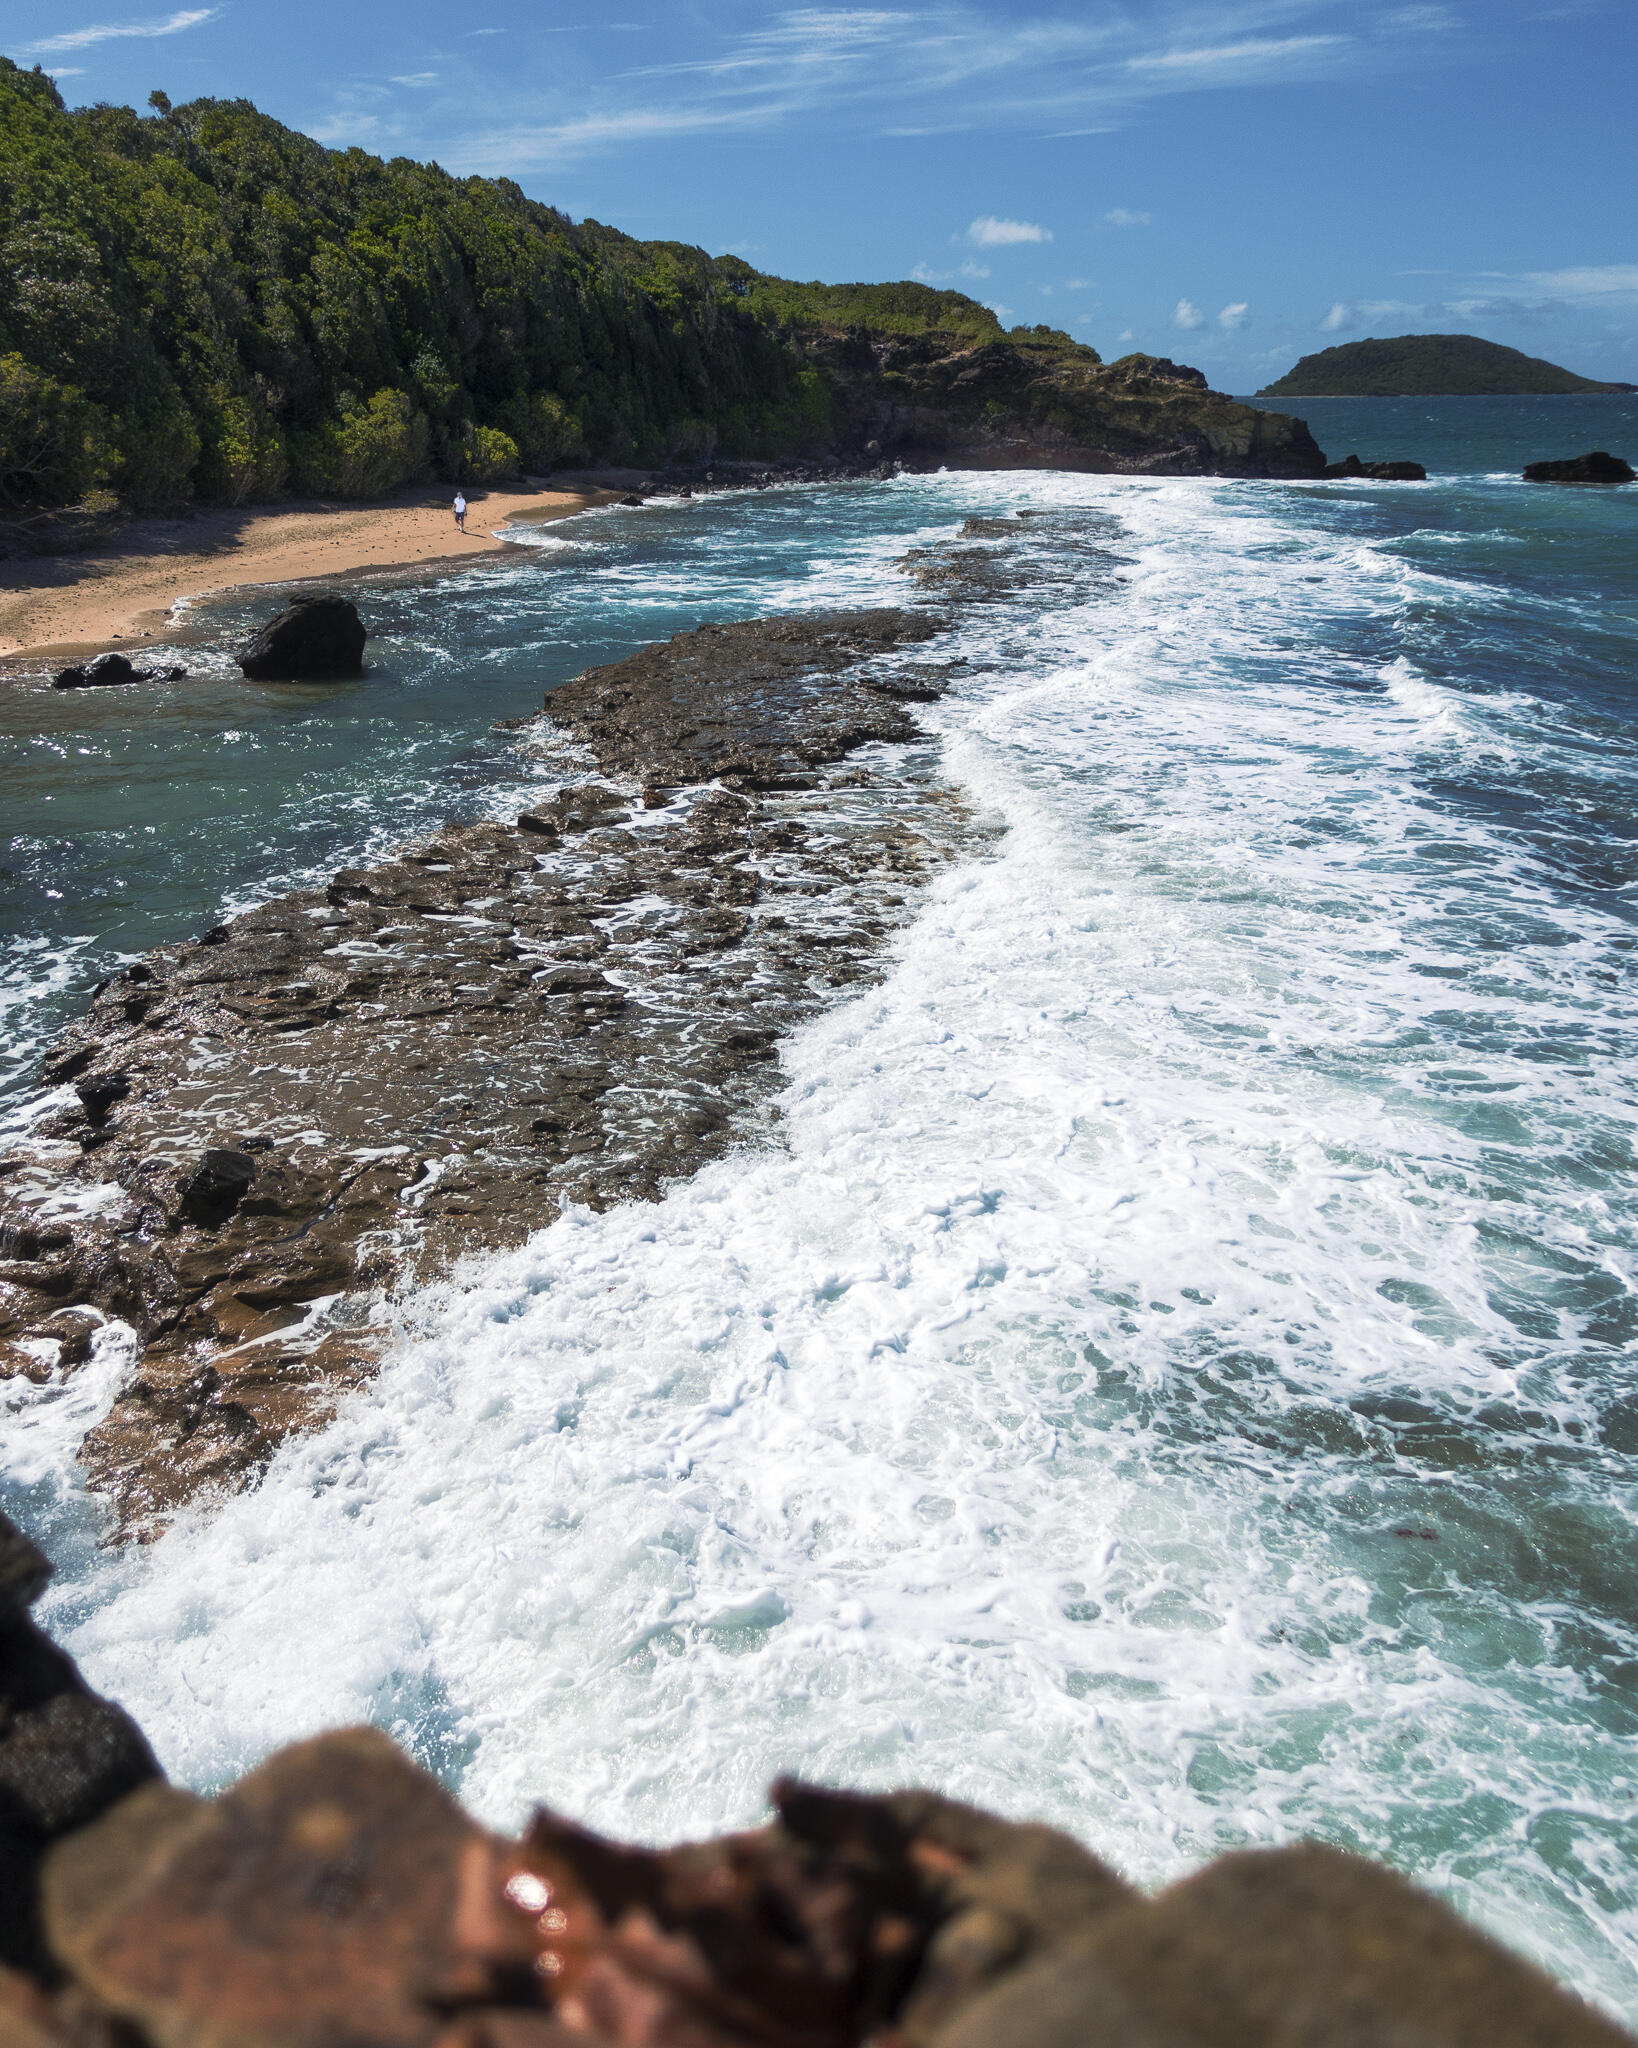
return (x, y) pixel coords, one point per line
(338, 1897)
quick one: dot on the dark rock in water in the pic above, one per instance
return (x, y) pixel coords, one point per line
(106, 672)
(66, 1755)
(320, 638)
(631, 498)
(1384, 472)
(1597, 467)
(216, 1186)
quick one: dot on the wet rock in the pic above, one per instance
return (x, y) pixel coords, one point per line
(1597, 467)
(318, 638)
(213, 1189)
(1384, 472)
(98, 1094)
(66, 1755)
(109, 671)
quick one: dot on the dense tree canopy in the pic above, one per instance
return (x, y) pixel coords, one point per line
(202, 303)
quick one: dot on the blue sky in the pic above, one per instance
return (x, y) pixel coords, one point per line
(1233, 182)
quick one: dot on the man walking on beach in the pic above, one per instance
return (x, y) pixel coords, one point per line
(460, 510)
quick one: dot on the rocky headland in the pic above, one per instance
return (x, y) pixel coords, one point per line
(338, 1897)
(1018, 403)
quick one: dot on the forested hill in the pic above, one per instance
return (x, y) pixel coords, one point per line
(1427, 366)
(203, 303)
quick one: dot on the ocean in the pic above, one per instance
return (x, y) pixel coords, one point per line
(1170, 1373)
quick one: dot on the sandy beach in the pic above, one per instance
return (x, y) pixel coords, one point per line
(125, 594)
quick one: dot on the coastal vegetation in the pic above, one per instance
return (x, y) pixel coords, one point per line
(1427, 366)
(203, 304)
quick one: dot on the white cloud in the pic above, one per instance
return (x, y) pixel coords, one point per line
(1077, 284)
(1340, 318)
(414, 77)
(972, 269)
(1046, 291)
(1234, 317)
(111, 31)
(1188, 315)
(1124, 217)
(66, 71)
(989, 233)
(1237, 60)
(1127, 334)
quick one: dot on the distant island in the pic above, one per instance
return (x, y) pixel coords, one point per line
(1428, 366)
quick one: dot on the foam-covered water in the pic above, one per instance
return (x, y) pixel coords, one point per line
(1174, 1373)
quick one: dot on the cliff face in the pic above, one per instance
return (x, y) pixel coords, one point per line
(1017, 403)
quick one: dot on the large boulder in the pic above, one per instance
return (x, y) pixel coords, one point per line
(317, 639)
(1597, 467)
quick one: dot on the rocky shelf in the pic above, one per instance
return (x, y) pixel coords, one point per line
(264, 1133)
(338, 1897)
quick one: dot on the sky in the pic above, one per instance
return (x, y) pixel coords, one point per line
(1234, 183)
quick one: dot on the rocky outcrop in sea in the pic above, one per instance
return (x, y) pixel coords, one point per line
(267, 1133)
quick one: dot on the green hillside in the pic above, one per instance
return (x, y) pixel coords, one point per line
(1426, 366)
(204, 304)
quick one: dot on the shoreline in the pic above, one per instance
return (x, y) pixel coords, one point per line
(127, 595)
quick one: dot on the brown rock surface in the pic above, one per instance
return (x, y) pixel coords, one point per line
(340, 1091)
(318, 1900)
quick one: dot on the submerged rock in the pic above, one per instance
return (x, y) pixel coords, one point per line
(1597, 467)
(1384, 472)
(318, 638)
(108, 671)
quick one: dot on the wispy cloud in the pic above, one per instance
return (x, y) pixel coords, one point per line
(1188, 315)
(1124, 217)
(989, 233)
(112, 31)
(950, 64)
(414, 78)
(1238, 60)
(1341, 318)
(1234, 317)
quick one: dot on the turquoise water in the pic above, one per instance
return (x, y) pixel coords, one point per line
(1174, 1374)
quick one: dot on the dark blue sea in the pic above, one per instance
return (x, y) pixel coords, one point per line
(1173, 1373)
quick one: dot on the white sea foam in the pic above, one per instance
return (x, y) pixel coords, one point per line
(994, 1430)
